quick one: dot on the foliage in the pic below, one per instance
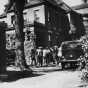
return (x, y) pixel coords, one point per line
(85, 1)
(84, 42)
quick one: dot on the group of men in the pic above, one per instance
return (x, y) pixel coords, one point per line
(44, 56)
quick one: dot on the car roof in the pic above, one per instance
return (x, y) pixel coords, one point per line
(71, 42)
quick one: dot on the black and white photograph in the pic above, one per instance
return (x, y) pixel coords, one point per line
(43, 43)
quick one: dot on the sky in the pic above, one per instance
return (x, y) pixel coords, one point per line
(2, 3)
(69, 2)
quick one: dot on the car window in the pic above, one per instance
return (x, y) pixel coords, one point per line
(70, 45)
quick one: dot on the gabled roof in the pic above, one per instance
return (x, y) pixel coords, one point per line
(82, 6)
(60, 4)
(82, 9)
(57, 3)
(33, 2)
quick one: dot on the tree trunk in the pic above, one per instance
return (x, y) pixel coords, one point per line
(20, 57)
(18, 9)
(2, 48)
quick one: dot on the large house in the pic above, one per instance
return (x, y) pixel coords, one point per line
(46, 18)
(46, 23)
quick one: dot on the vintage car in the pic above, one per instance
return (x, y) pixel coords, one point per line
(71, 52)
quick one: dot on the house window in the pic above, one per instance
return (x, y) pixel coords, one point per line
(27, 35)
(13, 20)
(28, 1)
(36, 15)
(48, 16)
(25, 18)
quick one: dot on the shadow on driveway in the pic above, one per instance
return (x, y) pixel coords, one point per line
(11, 76)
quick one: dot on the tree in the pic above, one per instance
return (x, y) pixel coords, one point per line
(85, 1)
(18, 10)
(3, 27)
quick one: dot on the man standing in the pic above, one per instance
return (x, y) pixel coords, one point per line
(40, 56)
(33, 56)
